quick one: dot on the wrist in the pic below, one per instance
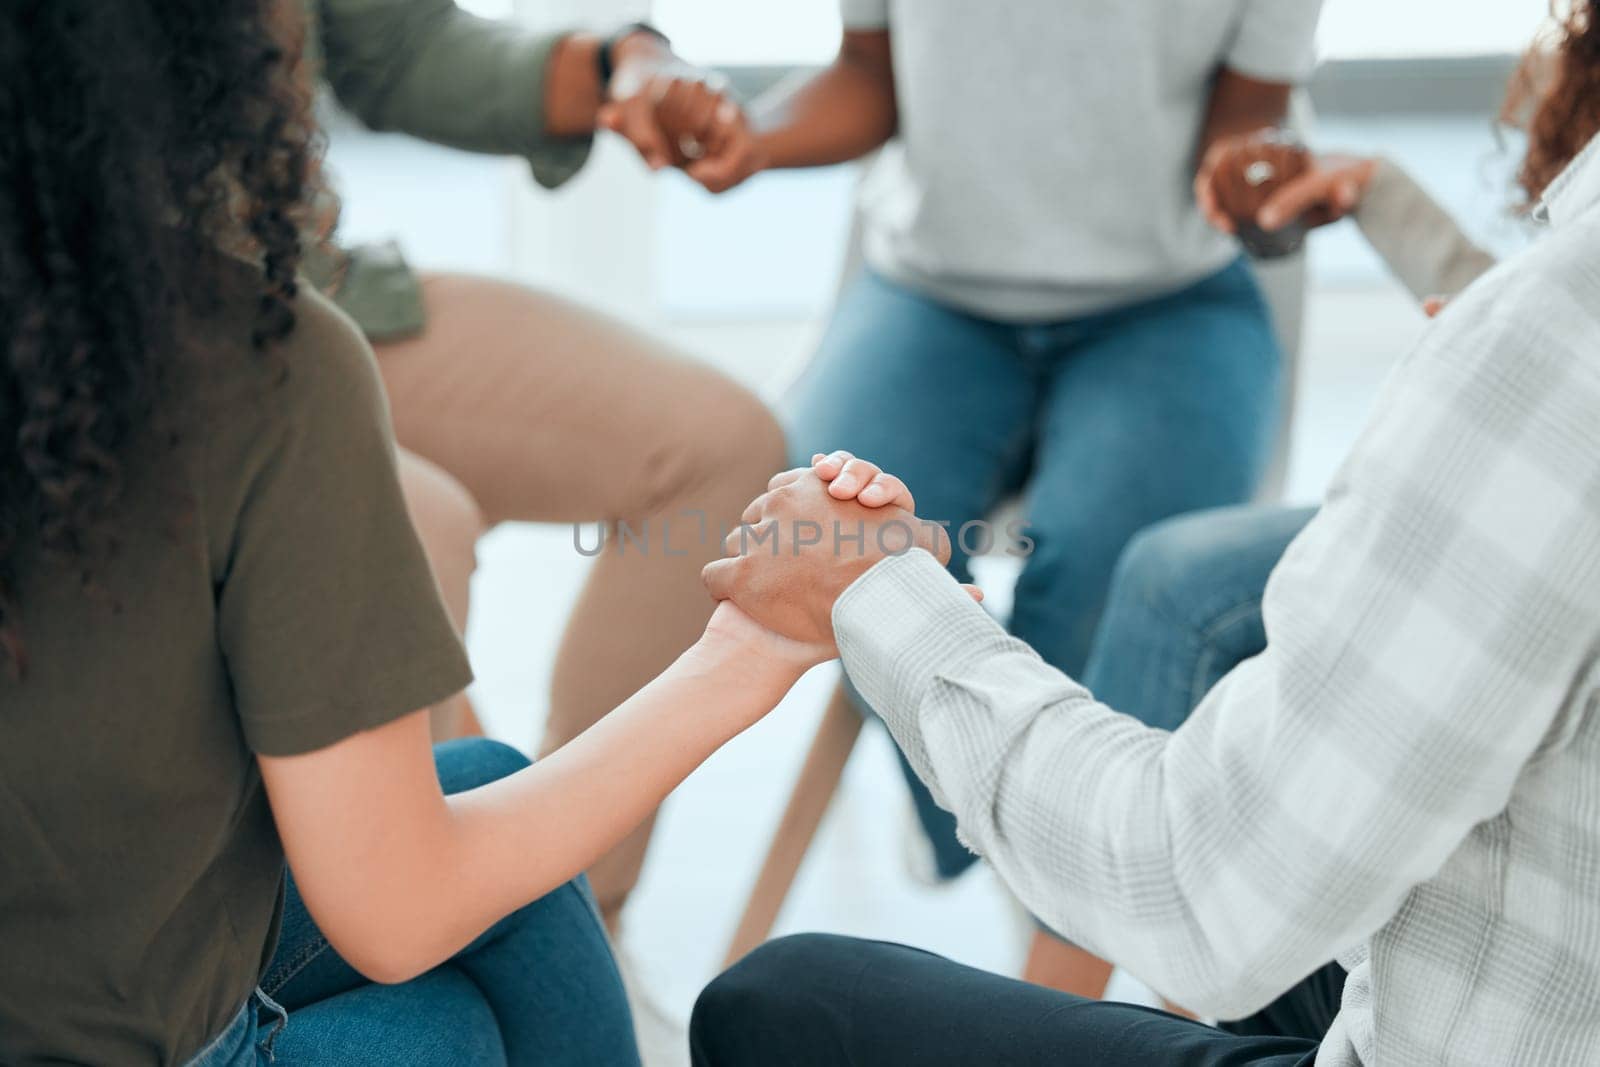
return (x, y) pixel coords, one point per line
(634, 56)
(572, 89)
(749, 660)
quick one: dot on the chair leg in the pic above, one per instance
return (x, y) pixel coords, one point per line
(808, 803)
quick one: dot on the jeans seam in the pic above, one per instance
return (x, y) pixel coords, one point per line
(272, 984)
(592, 909)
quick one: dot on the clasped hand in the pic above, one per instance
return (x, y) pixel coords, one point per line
(678, 115)
(804, 541)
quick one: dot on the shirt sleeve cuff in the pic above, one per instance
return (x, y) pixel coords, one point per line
(898, 627)
(1277, 41)
(864, 14)
(553, 160)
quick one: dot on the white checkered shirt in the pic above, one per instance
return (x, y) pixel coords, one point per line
(1411, 768)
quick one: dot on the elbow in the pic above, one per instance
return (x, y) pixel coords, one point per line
(386, 945)
(362, 97)
(1227, 995)
(1233, 979)
(386, 960)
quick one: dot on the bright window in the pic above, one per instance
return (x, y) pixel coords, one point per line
(807, 31)
(489, 9)
(1363, 28)
(751, 31)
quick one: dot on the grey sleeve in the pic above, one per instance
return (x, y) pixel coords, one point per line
(1276, 40)
(864, 14)
(1418, 239)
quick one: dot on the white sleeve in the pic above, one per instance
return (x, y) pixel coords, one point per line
(1276, 40)
(864, 14)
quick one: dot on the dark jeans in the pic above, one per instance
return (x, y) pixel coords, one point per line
(818, 1000)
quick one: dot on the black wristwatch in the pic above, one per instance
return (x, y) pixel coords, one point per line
(605, 58)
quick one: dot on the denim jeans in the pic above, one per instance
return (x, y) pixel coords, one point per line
(1185, 609)
(1104, 423)
(539, 987)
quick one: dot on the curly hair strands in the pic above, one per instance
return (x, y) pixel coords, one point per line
(133, 136)
(1564, 80)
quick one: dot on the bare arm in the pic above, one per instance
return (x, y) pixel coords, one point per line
(1240, 108)
(1241, 105)
(839, 114)
(400, 877)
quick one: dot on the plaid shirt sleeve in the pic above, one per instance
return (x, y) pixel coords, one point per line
(1425, 633)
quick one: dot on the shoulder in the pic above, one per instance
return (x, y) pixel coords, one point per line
(1507, 377)
(315, 392)
(1540, 305)
(326, 359)
(323, 365)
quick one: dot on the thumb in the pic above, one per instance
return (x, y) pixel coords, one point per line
(643, 133)
(716, 175)
(719, 575)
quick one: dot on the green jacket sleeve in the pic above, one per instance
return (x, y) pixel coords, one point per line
(427, 68)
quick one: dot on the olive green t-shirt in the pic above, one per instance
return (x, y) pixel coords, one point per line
(266, 594)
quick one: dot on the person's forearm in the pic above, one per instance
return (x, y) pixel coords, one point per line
(528, 834)
(1241, 105)
(838, 115)
(573, 93)
(1417, 238)
(401, 893)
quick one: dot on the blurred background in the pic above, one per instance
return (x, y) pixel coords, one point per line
(745, 282)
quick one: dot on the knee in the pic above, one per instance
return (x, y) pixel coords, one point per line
(723, 454)
(758, 1003)
(470, 762)
(1164, 557)
(1173, 565)
(447, 519)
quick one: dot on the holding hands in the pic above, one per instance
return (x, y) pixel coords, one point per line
(679, 115)
(1242, 182)
(808, 537)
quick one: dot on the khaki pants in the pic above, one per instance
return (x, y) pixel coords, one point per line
(516, 405)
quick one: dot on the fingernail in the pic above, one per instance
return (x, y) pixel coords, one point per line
(872, 492)
(845, 484)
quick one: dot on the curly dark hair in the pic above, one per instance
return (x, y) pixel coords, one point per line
(137, 139)
(1563, 83)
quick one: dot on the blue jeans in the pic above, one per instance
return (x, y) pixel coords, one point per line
(1104, 423)
(1185, 609)
(539, 987)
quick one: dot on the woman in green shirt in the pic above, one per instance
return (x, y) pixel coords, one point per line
(511, 404)
(218, 630)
